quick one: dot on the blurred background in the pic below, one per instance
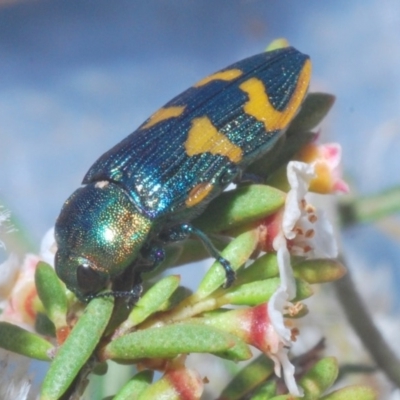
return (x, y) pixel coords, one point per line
(78, 76)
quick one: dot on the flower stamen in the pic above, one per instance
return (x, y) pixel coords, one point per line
(312, 218)
(310, 234)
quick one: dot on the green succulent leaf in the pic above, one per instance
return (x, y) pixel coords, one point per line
(237, 253)
(171, 340)
(238, 207)
(178, 296)
(320, 378)
(264, 267)
(44, 325)
(177, 384)
(371, 208)
(250, 294)
(20, 341)
(313, 110)
(352, 393)
(303, 290)
(250, 377)
(52, 294)
(319, 270)
(152, 300)
(78, 348)
(132, 389)
(265, 392)
(254, 293)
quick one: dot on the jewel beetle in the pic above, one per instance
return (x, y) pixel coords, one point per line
(144, 192)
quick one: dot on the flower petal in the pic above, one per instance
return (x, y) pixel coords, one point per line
(299, 176)
(288, 373)
(288, 283)
(276, 306)
(8, 275)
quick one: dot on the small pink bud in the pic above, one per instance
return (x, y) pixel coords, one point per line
(269, 228)
(186, 383)
(326, 161)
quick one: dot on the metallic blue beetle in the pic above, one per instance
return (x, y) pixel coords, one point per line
(144, 192)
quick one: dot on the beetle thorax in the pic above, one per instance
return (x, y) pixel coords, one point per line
(99, 223)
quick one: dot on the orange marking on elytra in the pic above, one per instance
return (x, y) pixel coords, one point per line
(203, 137)
(163, 114)
(198, 193)
(261, 108)
(227, 75)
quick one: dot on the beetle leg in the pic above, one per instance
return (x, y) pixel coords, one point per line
(134, 294)
(229, 272)
(174, 234)
(247, 177)
(127, 285)
(183, 231)
(152, 256)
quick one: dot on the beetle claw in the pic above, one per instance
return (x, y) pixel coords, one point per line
(229, 272)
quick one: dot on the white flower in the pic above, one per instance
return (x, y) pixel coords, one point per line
(17, 284)
(304, 231)
(276, 308)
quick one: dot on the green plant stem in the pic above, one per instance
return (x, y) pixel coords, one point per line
(370, 208)
(362, 323)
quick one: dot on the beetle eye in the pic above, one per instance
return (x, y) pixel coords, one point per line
(89, 280)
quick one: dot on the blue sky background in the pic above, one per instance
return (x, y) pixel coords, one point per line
(78, 76)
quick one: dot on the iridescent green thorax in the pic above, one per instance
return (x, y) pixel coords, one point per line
(99, 227)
